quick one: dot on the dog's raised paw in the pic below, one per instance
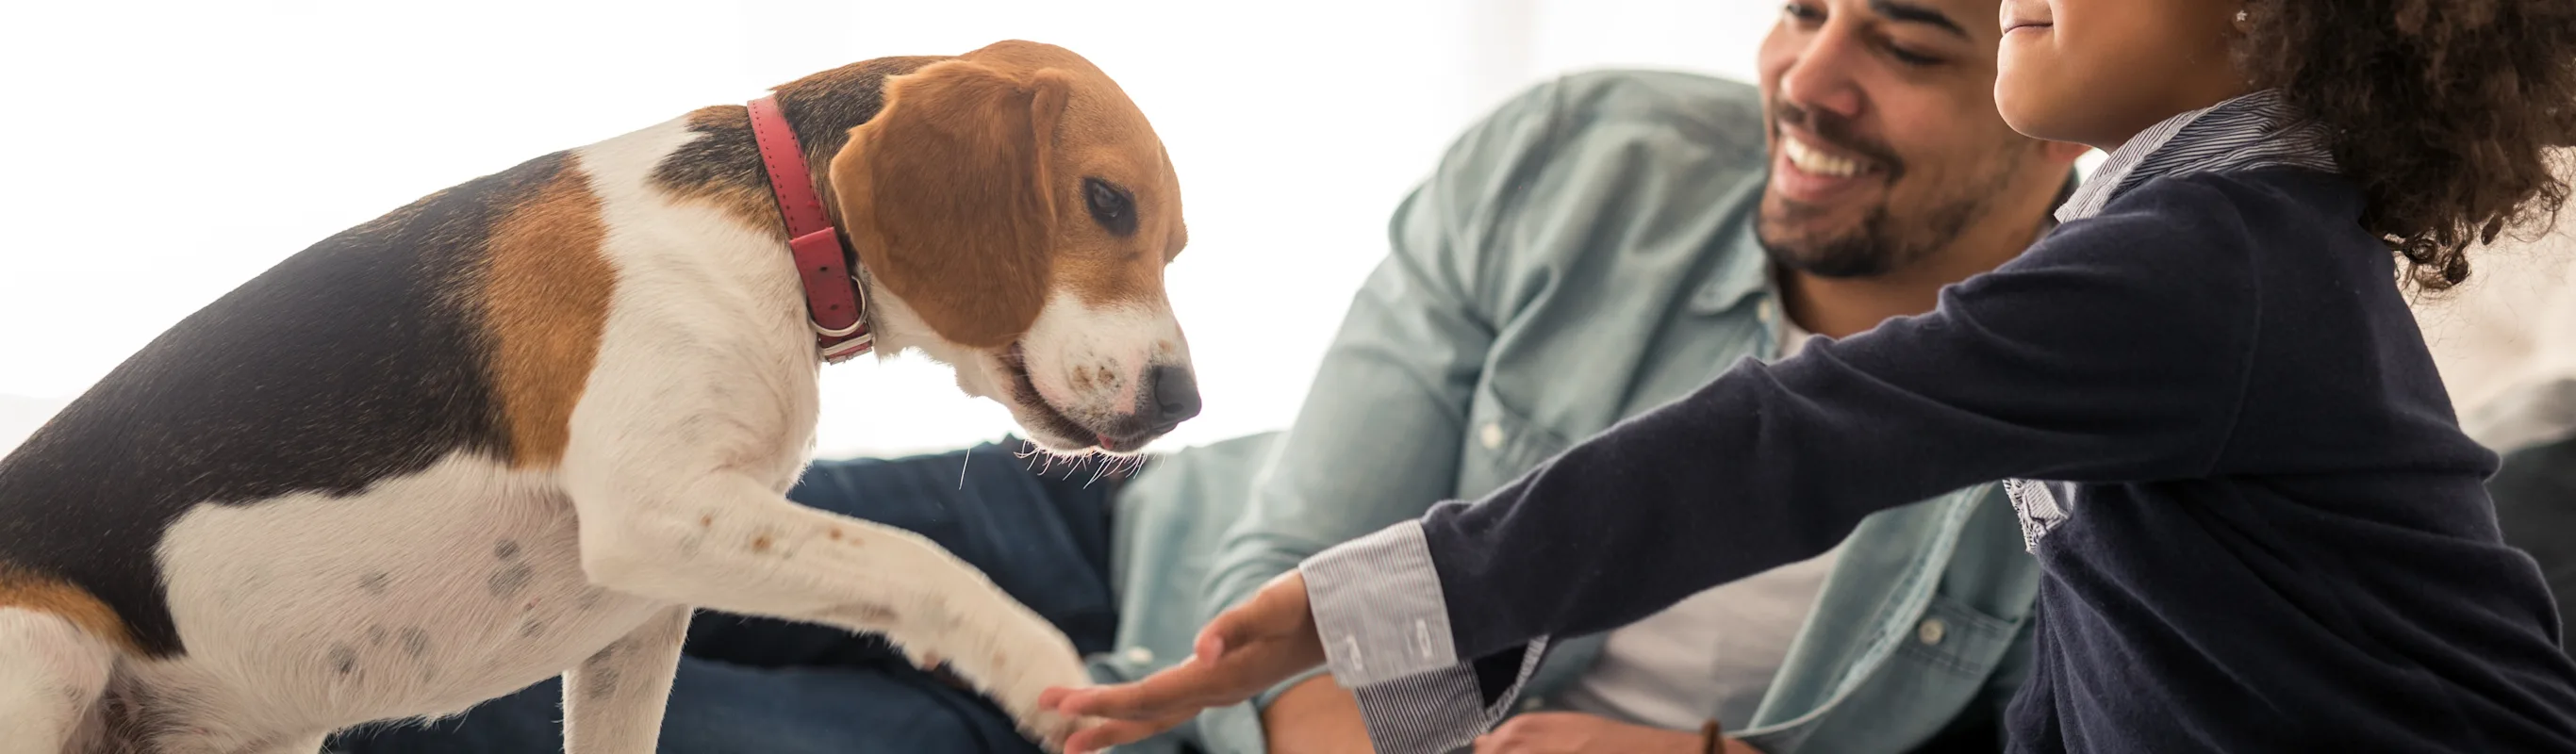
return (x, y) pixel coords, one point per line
(1023, 675)
(1050, 730)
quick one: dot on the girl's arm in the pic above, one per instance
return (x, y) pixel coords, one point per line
(2114, 350)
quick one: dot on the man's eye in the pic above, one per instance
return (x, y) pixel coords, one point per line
(1110, 206)
(1912, 59)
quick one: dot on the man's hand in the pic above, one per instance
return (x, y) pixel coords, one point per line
(1578, 733)
(1258, 644)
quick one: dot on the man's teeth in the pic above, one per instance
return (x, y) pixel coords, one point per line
(1815, 162)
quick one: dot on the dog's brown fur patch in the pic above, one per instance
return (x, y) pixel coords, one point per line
(950, 184)
(546, 292)
(35, 592)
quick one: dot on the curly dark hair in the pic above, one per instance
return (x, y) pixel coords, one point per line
(2446, 112)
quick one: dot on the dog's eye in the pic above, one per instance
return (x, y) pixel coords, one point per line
(1111, 206)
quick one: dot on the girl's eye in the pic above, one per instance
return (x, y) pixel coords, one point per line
(1803, 12)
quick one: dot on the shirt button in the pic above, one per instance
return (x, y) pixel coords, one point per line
(1931, 631)
(1492, 436)
(1767, 311)
(1140, 655)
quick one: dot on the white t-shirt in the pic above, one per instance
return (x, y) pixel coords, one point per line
(1712, 655)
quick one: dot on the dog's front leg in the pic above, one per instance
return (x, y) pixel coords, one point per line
(728, 543)
(613, 703)
(679, 461)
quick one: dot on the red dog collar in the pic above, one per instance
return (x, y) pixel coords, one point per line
(832, 296)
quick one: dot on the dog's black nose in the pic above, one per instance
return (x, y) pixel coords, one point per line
(1173, 397)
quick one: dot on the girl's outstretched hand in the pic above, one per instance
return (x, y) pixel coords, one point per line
(1261, 643)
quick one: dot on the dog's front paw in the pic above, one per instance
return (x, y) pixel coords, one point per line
(1050, 730)
(1011, 655)
(1030, 669)
(1022, 657)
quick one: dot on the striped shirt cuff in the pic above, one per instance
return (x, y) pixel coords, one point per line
(1385, 626)
(1438, 712)
(1378, 607)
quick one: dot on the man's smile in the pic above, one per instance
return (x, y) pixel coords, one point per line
(1808, 171)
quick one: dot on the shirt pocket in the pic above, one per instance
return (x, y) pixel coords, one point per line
(1956, 639)
(1937, 669)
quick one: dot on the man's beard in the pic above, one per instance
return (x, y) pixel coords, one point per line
(1873, 247)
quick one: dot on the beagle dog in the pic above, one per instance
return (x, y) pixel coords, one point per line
(522, 427)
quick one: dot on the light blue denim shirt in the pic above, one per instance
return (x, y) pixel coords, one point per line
(1584, 254)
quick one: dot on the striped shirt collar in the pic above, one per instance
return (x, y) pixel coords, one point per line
(2250, 131)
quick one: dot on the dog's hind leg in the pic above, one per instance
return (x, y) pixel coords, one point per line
(51, 677)
(613, 702)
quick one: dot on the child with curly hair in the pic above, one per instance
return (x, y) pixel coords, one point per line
(2260, 525)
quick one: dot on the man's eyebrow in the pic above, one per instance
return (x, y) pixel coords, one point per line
(1904, 12)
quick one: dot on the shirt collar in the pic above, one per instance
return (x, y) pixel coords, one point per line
(2255, 130)
(1744, 271)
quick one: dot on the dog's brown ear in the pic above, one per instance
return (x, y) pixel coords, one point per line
(947, 197)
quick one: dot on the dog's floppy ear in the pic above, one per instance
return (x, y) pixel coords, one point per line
(947, 196)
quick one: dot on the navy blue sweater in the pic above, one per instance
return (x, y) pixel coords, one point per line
(2275, 535)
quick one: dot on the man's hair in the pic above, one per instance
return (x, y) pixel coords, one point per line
(2445, 112)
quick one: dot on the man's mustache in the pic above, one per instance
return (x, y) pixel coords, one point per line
(1835, 131)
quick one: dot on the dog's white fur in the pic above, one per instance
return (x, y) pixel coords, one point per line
(466, 581)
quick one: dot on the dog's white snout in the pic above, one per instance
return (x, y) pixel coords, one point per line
(1123, 372)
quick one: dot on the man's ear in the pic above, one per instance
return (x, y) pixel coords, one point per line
(946, 195)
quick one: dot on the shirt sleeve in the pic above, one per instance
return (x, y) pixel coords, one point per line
(2072, 363)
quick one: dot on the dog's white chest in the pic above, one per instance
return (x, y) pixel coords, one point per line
(429, 592)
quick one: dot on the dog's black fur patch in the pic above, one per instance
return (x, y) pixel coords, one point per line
(820, 109)
(361, 358)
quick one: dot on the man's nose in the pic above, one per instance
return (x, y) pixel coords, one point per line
(1171, 396)
(1821, 80)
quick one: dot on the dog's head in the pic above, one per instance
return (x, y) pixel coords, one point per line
(1014, 212)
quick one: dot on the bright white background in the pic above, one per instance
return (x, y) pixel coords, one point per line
(160, 153)
(163, 152)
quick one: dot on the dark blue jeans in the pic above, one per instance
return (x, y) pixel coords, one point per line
(772, 687)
